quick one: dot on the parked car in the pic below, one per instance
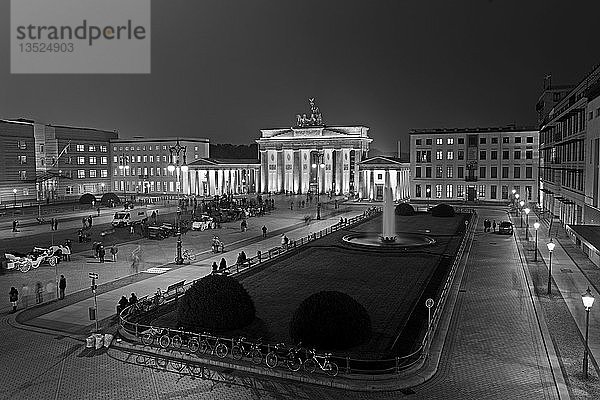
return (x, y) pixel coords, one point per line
(505, 228)
(202, 223)
(156, 232)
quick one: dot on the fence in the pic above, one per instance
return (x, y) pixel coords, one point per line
(346, 363)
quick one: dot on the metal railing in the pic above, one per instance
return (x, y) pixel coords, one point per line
(346, 363)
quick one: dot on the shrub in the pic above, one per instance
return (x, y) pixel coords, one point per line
(107, 197)
(87, 198)
(442, 210)
(330, 320)
(404, 209)
(215, 302)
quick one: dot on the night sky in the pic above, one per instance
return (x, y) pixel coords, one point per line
(225, 69)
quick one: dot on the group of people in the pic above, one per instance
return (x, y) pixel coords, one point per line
(123, 303)
(221, 267)
(100, 251)
(87, 222)
(487, 225)
(285, 241)
(54, 224)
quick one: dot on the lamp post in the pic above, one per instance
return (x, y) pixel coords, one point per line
(588, 302)
(536, 225)
(513, 197)
(428, 196)
(317, 165)
(550, 249)
(178, 164)
(15, 194)
(521, 203)
(527, 210)
(516, 202)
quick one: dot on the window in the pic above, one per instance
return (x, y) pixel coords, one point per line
(428, 156)
(494, 140)
(80, 147)
(418, 143)
(504, 172)
(427, 172)
(448, 191)
(505, 154)
(461, 140)
(22, 145)
(449, 171)
(460, 191)
(103, 160)
(92, 160)
(517, 154)
(103, 149)
(418, 191)
(529, 154)
(438, 172)
(504, 192)
(494, 155)
(517, 172)
(450, 140)
(529, 139)
(80, 160)
(505, 140)
(528, 172)
(428, 191)
(528, 190)
(481, 193)
(494, 172)
(92, 173)
(482, 140)
(461, 172)
(439, 141)
(115, 159)
(380, 176)
(23, 175)
(482, 172)
(428, 142)
(164, 159)
(139, 158)
(22, 159)
(461, 154)
(81, 173)
(438, 191)
(145, 159)
(493, 193)
(450, 155)
(517, 139)
(439, 155)
(151, 159)
(104, 173)
(418, 172)
(69, 190)
(482, 155)
(91, 148)
(418, 157)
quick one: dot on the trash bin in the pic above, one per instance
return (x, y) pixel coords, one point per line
(89, 342)
(108, 340)
(99, 340)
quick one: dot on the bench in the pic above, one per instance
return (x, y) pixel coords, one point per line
(176, 288)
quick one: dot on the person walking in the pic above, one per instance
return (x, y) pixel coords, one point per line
(14, 225)
(215, 267)
(133, 299)
(223, 264)
(494, 225)
(264, 231)
(90, 221)
(98, 211)
(62, 285)
(113, 252)
(101, 253)
(13, 296)
(122, 304)
(55, 224)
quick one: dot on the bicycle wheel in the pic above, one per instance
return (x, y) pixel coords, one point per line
(176, 342)
(331, 369)
(164, 341)
(310, 365)
(256, 356)
(221, 350)
(294, 364)
(147, 339)
(204, 347)
(236, 352)
(193, 345)
(25, 266)
(271, 359)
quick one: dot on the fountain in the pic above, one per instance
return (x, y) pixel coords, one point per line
(389, 239)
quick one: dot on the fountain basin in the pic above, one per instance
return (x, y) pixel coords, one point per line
(374, 241)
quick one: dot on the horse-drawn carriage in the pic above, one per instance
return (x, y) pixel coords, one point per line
(51, 255)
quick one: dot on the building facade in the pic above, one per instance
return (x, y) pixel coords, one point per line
(17, 162)
(209, 177)
(474, 164)
(569, 152)
(372, 178)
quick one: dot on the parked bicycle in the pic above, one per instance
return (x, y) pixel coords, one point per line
(322, 361)
(187, 255)
(189, 339)
(292, 357)
(252, 351)
(213, 346)
(159, 335)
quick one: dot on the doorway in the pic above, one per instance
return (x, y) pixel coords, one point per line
(471, 193)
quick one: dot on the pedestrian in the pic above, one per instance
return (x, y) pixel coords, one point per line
(291, 205)
(223, 264)
(244, 257)
(67, 255)
(14, 225)
(286, 241)
(13, 296)
(215, 267)
(84, 222)
(52, 223)
(90, 221)
(62, 285)
(113, 252)
(131, 229)
(133, 299)
(494, 225)
(55, 224)
(264, 231)
(122, 304)
(98, 211)
(101, 253)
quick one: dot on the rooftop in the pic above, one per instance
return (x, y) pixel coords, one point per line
(507, 128)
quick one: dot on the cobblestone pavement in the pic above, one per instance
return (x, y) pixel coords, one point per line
(493, 351)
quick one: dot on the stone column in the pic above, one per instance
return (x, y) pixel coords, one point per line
(338, 161)
(305, 162)
(372, 188)
(297, 170)
(264, 170)
(328, 160)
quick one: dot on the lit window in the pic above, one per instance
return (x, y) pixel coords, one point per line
(104, 173)
(81, 173)
(448, 191)
(91, 148)
(92, 160)
(92, 173)
(103, 149)
(439, 155)
(103, 160)
(22, 159)
(481, 193)
(438, 191)
(80, 160)
(450, 141)
(450, 155)
(439, 141)
(80, 147)
(450, 171)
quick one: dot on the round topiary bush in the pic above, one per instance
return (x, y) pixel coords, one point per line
(404, 209)
(330, 320)
(87, 198)
(215, 302)
(442, 210)
(108, 198)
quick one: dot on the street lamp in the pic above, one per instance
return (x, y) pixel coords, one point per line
(516, 201)
(536, 225)
(550, 249)
(513, 196)
(521, 203)
(527, 210)
(15, 194)
(317, 165)
(175, 165)
(588, 302)
(428, 196)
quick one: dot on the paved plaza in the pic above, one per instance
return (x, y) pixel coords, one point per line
(498, 344)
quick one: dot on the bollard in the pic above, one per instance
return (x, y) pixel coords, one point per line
(347, 364)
